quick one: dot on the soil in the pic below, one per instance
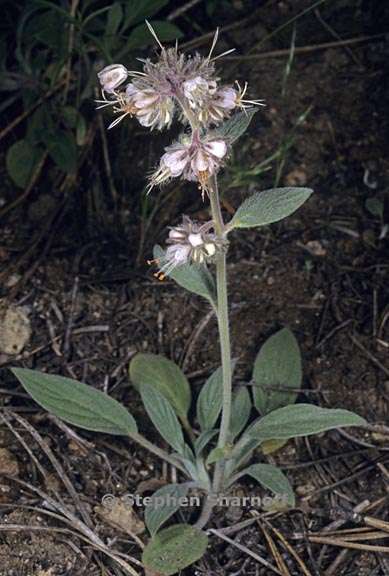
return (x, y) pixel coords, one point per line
(92, 303)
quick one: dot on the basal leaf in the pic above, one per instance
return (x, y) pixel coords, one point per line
(241, 409)
(76, 403)
(174, 548)
(273, 479)
(163, 417)
(165, 502)
(165, 376)
(277, 368)
(301, 420)
(269, 206)
(62, 148)
(203, 440)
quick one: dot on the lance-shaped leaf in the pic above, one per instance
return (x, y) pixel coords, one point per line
(272, 478)
(302, 420)
(164, 503)
(165, 376)
(240, 413)
(174, 548)
(203, 440)
(234, 127)
(77, 403)
(163, 417)
(210, 400)
(277, 372)
(192, 277)
(269, 206)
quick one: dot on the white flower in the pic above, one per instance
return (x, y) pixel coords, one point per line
(189, 242)
(153, 109)
(197, 90)
(112, 76)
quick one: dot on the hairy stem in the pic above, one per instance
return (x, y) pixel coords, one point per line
(224, 333)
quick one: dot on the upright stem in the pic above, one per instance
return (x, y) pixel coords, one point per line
(224, 332)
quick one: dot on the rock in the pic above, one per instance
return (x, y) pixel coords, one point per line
(15, 329)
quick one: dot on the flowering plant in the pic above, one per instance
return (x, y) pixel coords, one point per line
(209, 455)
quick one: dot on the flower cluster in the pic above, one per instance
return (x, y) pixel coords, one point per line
(181, 86)
(189, 242)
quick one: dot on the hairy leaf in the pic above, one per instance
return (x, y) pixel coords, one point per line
(278, 365)
(163, 417)
(302, 420)
(241, 409)
(76, 403)
(174, 548)
(192, 277)
(210, 400)
(165, 376)
(236, 126)
(273, 479)
(164, 503)
(269, 206)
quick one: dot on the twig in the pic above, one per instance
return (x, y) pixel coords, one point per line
(182, 9)
(369, 354)
(305, 49)
(194, 338)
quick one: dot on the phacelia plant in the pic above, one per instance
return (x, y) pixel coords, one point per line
(214, 444)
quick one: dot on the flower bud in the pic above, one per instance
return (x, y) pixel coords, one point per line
(112, 76)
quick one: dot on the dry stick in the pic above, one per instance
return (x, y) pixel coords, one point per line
(182, 9)
(305, 49)
(347, 544)
(57, 466)
(290, 549)
(245, 550)
(274, 550)
(68, 73)
(369, 354)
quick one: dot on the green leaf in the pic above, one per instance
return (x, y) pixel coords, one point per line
(62, 148)
(165, 502)
(114, 18)
(278, 365)
(273, 479)
(165, 376)
(138, 11)
(21, 160)
(76, 403)
(235, 126)
(210, 400)
(269, 206)
(174, 548)
(202, 440)
(240, 414)
(301, 420)
(219, 453)
(163, 417)
(141, 37)
(195, 278)
(375, 206)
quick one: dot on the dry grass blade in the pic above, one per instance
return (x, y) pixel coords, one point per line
(276, 554)
(348, 544)
(376, 523)
(247, 551)
(291, 550)
(57, 466)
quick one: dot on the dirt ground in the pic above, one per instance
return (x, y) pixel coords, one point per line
(92, 303)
